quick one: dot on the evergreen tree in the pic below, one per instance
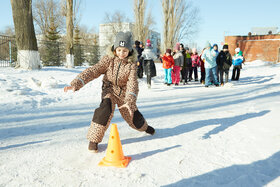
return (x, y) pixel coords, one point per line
(94, 55)
(51, 56)
(79, 56)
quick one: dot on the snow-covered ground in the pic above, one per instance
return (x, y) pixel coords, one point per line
(217, 136)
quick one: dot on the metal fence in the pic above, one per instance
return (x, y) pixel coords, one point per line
(52, 53)
(8, 51)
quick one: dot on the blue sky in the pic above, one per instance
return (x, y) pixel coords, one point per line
(218, 17)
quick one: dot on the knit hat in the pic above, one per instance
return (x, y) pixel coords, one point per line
(123, 39)
(137, 42)
(225, 46)
(182, 45)
(168, 51)
(187, 49)
(148, 44)
(207, 44)
(177, 46)
(237, 50)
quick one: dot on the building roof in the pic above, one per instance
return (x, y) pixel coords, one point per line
(263, 30)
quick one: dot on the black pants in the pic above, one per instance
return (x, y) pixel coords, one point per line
(235, 73)
(202, 76)
(140, 70)
(183, 75)
(220, 74)
(194, 69)
(187, 71)
(150, 70)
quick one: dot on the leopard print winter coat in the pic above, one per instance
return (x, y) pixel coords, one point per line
(120, 77)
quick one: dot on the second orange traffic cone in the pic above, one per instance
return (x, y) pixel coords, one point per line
(114, 155)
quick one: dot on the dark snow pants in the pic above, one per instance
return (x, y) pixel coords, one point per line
(104, 114)
(235, 73)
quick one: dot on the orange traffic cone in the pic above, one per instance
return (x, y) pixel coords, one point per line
(114, 155)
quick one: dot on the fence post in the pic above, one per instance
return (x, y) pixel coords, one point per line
(10, 51)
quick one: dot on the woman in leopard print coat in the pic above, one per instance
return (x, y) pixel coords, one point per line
(120, 86)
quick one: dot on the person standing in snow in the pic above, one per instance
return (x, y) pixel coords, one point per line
(139, 50)
(224, 61)
(215, 49)
(237, 61)
(178, 64)
(148, 57)
(120, 86)
(187, 66)
(195, 63)
(202, 69)
(209, 55)
(167, 64)
(183, 51)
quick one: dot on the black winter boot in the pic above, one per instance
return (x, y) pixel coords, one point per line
(93, 147)
(150, 130)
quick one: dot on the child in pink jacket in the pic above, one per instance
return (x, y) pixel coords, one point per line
(195, 63)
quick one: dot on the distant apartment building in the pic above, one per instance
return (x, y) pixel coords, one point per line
(107, 35)
(260, 44)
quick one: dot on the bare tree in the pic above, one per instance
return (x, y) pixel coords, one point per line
(190, 22)
(180, 21)
(28, 55)
(69, 36)
(46, 11)
(77, 13)
(115, 22)
(88, 36)
(143, 22)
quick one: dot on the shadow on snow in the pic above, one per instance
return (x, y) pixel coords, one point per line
(223, 123)
(256, 174)
(22, 144)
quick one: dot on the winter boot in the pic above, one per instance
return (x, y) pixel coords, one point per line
(93, 147)
(150, 130)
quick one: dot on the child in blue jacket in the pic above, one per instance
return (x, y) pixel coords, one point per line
(237, 61)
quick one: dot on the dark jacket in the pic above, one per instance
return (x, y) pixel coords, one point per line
(187, 61)
(139, 52)
(224, 60)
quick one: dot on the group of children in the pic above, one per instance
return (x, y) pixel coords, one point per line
(180, 64)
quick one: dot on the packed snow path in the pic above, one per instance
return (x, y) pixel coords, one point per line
(217, 136)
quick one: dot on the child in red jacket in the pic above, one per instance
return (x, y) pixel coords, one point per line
(167, 64)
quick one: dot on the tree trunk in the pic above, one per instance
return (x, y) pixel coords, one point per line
(28, 55)
(69, 37)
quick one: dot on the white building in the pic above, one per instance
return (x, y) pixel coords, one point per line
(107, 35)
